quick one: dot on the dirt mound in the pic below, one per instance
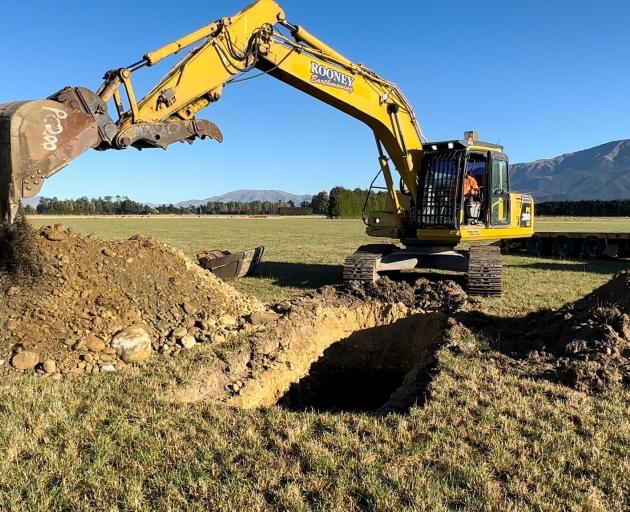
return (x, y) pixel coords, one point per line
(615, 292)
(81, 291)
(591, 337)
(585, 344)
(422, 294)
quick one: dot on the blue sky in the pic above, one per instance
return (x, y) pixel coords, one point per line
(540, 77)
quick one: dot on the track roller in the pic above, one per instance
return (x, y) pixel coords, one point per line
(485, 271)
(362, 265)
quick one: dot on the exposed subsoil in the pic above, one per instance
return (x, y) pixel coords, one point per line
(382, 369)
(328, 351)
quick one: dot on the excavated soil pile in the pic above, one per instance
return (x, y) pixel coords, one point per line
(590, 337)
(584, 345)
(334, 351)
(79, 304)
(422, 293)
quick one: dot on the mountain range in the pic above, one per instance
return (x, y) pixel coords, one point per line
(602, 172)
(242, 196)
(245, 196)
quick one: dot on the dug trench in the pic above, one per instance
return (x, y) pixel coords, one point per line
(380, 369)
(330, 352)
(376, 348)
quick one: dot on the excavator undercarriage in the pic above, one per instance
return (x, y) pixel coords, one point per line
(480, 263)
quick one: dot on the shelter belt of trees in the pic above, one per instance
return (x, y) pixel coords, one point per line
(338, 203)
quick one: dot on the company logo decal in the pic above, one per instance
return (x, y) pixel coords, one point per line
(526, 215)
(324, 75)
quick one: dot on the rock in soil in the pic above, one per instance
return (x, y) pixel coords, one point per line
(188, 342)
(227, 320)
(133, 344)
(188, 308)
(179, 332)
(54, 234)
(50, 366)
(25, 360)
(263, 317)
(95, 344)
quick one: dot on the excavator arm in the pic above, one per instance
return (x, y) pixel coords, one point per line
(38, 138)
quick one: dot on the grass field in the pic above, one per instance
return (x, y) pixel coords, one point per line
(588, 224)
(486, 440)
(304, 254)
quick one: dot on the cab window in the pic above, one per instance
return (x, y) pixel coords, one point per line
(500, 197)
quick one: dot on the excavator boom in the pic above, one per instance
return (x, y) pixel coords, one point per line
(39, 138)
(430, 212)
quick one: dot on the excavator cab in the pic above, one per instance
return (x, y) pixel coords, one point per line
(443, 211)
(443, 201)
(446, 213)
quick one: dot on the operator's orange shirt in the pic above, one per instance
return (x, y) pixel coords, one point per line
(470, 185)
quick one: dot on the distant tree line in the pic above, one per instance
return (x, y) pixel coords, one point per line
(338, 203)
(124, 206)
(620, 208)
(85, 206)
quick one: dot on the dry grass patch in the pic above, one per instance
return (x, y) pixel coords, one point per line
(486, 440)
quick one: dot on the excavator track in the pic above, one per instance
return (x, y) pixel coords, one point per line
(362, 265)
(485, 271)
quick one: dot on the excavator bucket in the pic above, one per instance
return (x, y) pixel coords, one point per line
(229, 265)
(37, 139)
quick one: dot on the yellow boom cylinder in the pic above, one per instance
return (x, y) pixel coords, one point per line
(172, 48)
(305, 36)
(261, 7)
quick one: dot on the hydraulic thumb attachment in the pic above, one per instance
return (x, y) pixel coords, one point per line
(39, 138)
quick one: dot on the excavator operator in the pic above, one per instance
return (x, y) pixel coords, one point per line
(471, 187)
(472, 201)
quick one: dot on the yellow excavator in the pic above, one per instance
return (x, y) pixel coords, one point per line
(437, 217)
